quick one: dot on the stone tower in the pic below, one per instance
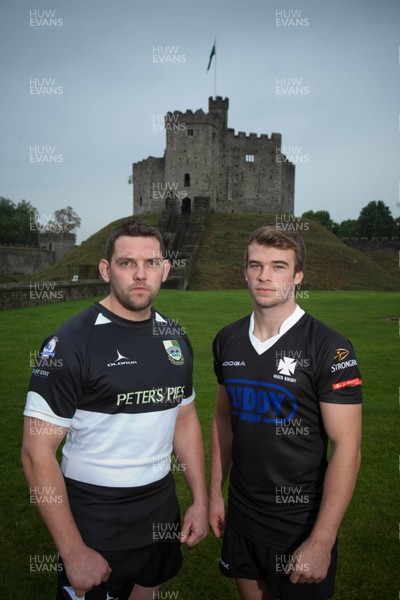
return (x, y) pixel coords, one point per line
(204, 158)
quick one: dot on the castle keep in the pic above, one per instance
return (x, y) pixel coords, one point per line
(204, 158)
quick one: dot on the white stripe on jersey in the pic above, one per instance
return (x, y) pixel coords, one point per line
(108, 450)
(37, 407)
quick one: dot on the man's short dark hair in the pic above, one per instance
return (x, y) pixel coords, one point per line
(271, 235)
(132, 228)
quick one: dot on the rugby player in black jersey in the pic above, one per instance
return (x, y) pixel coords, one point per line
(116, 382)
(287, 384)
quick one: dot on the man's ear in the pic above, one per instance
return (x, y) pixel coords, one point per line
(166, 269)
(104, 269)
(298, 278)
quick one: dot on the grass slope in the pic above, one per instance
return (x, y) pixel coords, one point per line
(330, 264)
(369, 548)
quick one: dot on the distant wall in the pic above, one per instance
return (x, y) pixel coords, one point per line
(373, 243)
(18, 295)
(24, 260)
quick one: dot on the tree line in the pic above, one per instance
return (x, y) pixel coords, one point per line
(22, 223)
(375, 220)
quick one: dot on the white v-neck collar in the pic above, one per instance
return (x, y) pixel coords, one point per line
(261, 347)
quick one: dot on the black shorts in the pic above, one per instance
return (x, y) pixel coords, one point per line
(242, 558)
(149, 567)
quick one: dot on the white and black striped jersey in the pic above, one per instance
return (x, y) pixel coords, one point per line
(117, 386)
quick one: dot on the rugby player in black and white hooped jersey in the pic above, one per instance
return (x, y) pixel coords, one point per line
(287, 384)
(116, 381)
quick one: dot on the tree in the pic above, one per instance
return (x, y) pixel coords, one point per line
(18, 222)
(322, 217)
(65, 220)
(375, 220)
(348, 229)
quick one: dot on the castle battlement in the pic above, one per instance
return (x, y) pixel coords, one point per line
(204, 158)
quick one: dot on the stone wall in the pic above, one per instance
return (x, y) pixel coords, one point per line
(48, 292)
(374, 243)
(24, 260)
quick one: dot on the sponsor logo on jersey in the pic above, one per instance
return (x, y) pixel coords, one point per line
(121, 360)
(341, 353)
(168, 395)
(349, 383)
(174, 352)
(256, 401)
(234, 363)
(49, 349)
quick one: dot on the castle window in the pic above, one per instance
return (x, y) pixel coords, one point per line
(140, 201)
(249, 157)
(187, 180)
(190, 132)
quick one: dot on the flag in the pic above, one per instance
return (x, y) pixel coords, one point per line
(213, 52)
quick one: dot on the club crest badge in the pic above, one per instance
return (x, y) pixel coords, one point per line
(50, 348)
(174, 352)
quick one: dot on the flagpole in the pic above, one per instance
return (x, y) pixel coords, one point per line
(215, 70)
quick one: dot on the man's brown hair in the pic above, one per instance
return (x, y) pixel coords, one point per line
(132, 228)
(272, 235)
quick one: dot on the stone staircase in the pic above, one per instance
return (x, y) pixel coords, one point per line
(182, 234)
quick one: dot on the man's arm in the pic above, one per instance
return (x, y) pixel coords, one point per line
(85, 568)
(189, 450)
(343, 425)
(221, 459)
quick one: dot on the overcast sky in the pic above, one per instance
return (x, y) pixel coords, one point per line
(323, 74)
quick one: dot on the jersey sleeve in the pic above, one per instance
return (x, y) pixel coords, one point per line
(56, 382)
(217, 350)
(189, 390)
(338, 378)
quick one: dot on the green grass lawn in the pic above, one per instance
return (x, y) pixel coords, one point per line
(369, 541)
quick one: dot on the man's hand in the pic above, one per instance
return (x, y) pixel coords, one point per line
(195, 525)
(86, 569)
(217, 516)
(310, 562)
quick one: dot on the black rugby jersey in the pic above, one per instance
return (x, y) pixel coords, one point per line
(279, 441)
